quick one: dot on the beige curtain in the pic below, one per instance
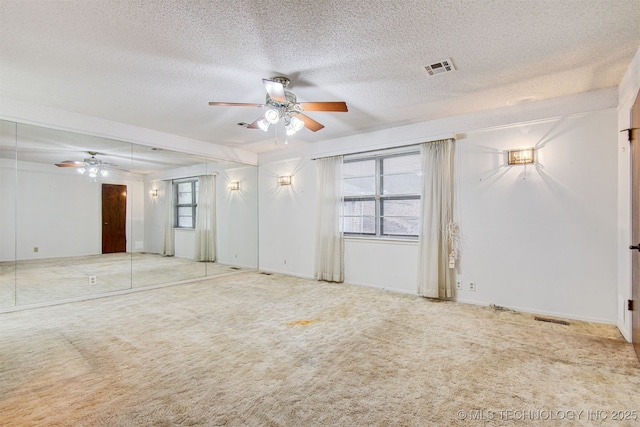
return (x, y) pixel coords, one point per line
(205, 249)
(329, 262)
(435, 277)
(168, 239)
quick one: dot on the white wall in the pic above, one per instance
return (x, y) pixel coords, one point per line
(542, 238)
(59, 211)
(237, 214)
(398, 275)
(627, 92)
(545, 244)
(287, 217)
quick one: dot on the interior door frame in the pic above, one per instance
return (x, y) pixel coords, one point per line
(634, 142)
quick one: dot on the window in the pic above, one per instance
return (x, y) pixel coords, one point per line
(382, 195)
(186, 197)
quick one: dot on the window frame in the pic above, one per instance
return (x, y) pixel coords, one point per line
(193, 205)
(379, 198)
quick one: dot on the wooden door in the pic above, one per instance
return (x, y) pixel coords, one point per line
(114, 218)
(635, 221)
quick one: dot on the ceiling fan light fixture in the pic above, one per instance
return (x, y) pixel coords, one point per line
(263, 124)
(272, 116)
(297, 124)
(293, 125)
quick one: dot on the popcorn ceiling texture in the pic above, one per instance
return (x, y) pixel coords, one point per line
(156, 64)
(251, 349)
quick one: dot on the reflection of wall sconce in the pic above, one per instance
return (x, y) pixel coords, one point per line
(520, 157)
(154, 192)
(234, 185)
(284, 180)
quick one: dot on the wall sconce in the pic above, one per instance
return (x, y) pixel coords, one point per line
(284, 180)
(154, 192)
(521, 157)
(234, 185)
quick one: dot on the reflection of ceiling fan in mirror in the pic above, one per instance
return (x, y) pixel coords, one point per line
(283, 105)
(90, 166)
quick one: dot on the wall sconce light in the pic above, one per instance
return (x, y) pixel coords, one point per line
(521, 157)
(234, 185)
(284, 180)
(154, 192)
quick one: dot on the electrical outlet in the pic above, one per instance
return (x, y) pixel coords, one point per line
(472, 286)
(285, 261)
(459, 285)
(93, 280)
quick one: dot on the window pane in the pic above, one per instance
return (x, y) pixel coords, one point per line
(401, 184)
(359, 168)
(359, 186)
(400, 217)
(360, 216)
(401, 164)
(360, 225)
(185, 221)
(410, 207)
(400, 226)
(185, 211)
(359, 208)
(184, 199)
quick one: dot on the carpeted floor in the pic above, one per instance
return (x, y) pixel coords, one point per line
(54, 279)
(272, 350)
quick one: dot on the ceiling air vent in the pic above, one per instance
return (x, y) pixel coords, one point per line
(443, 66)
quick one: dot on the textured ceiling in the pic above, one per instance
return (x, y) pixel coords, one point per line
(156, 64)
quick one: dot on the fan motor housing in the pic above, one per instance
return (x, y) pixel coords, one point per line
(289, 104)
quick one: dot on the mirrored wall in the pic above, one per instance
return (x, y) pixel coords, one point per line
(82, 215)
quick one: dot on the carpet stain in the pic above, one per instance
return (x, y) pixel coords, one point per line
(304, 322)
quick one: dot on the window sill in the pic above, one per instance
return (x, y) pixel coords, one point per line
(382, 240)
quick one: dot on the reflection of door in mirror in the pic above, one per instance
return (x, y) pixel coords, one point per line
(114, 218)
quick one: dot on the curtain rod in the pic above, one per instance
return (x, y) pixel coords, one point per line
(414, 144)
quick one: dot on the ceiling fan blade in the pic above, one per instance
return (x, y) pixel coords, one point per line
(70, 164)
(235, 104)
(275, 90)
(309, 123)
(340, 107)
(254, 124)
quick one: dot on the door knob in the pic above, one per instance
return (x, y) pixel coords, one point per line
(636, 247)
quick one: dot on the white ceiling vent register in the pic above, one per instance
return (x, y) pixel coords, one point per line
(443, 66)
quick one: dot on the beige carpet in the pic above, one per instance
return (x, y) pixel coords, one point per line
(271, 350)
(54, 279)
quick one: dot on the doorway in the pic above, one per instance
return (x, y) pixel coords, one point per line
(114, 218)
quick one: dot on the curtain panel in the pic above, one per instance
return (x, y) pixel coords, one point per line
(205, 249)
(329, 253)
(436, 276)
(168, 237)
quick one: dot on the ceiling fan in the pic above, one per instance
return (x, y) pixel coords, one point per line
(92, 166)
(283, 105)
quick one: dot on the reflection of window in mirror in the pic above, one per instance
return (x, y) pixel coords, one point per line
(186, 197)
